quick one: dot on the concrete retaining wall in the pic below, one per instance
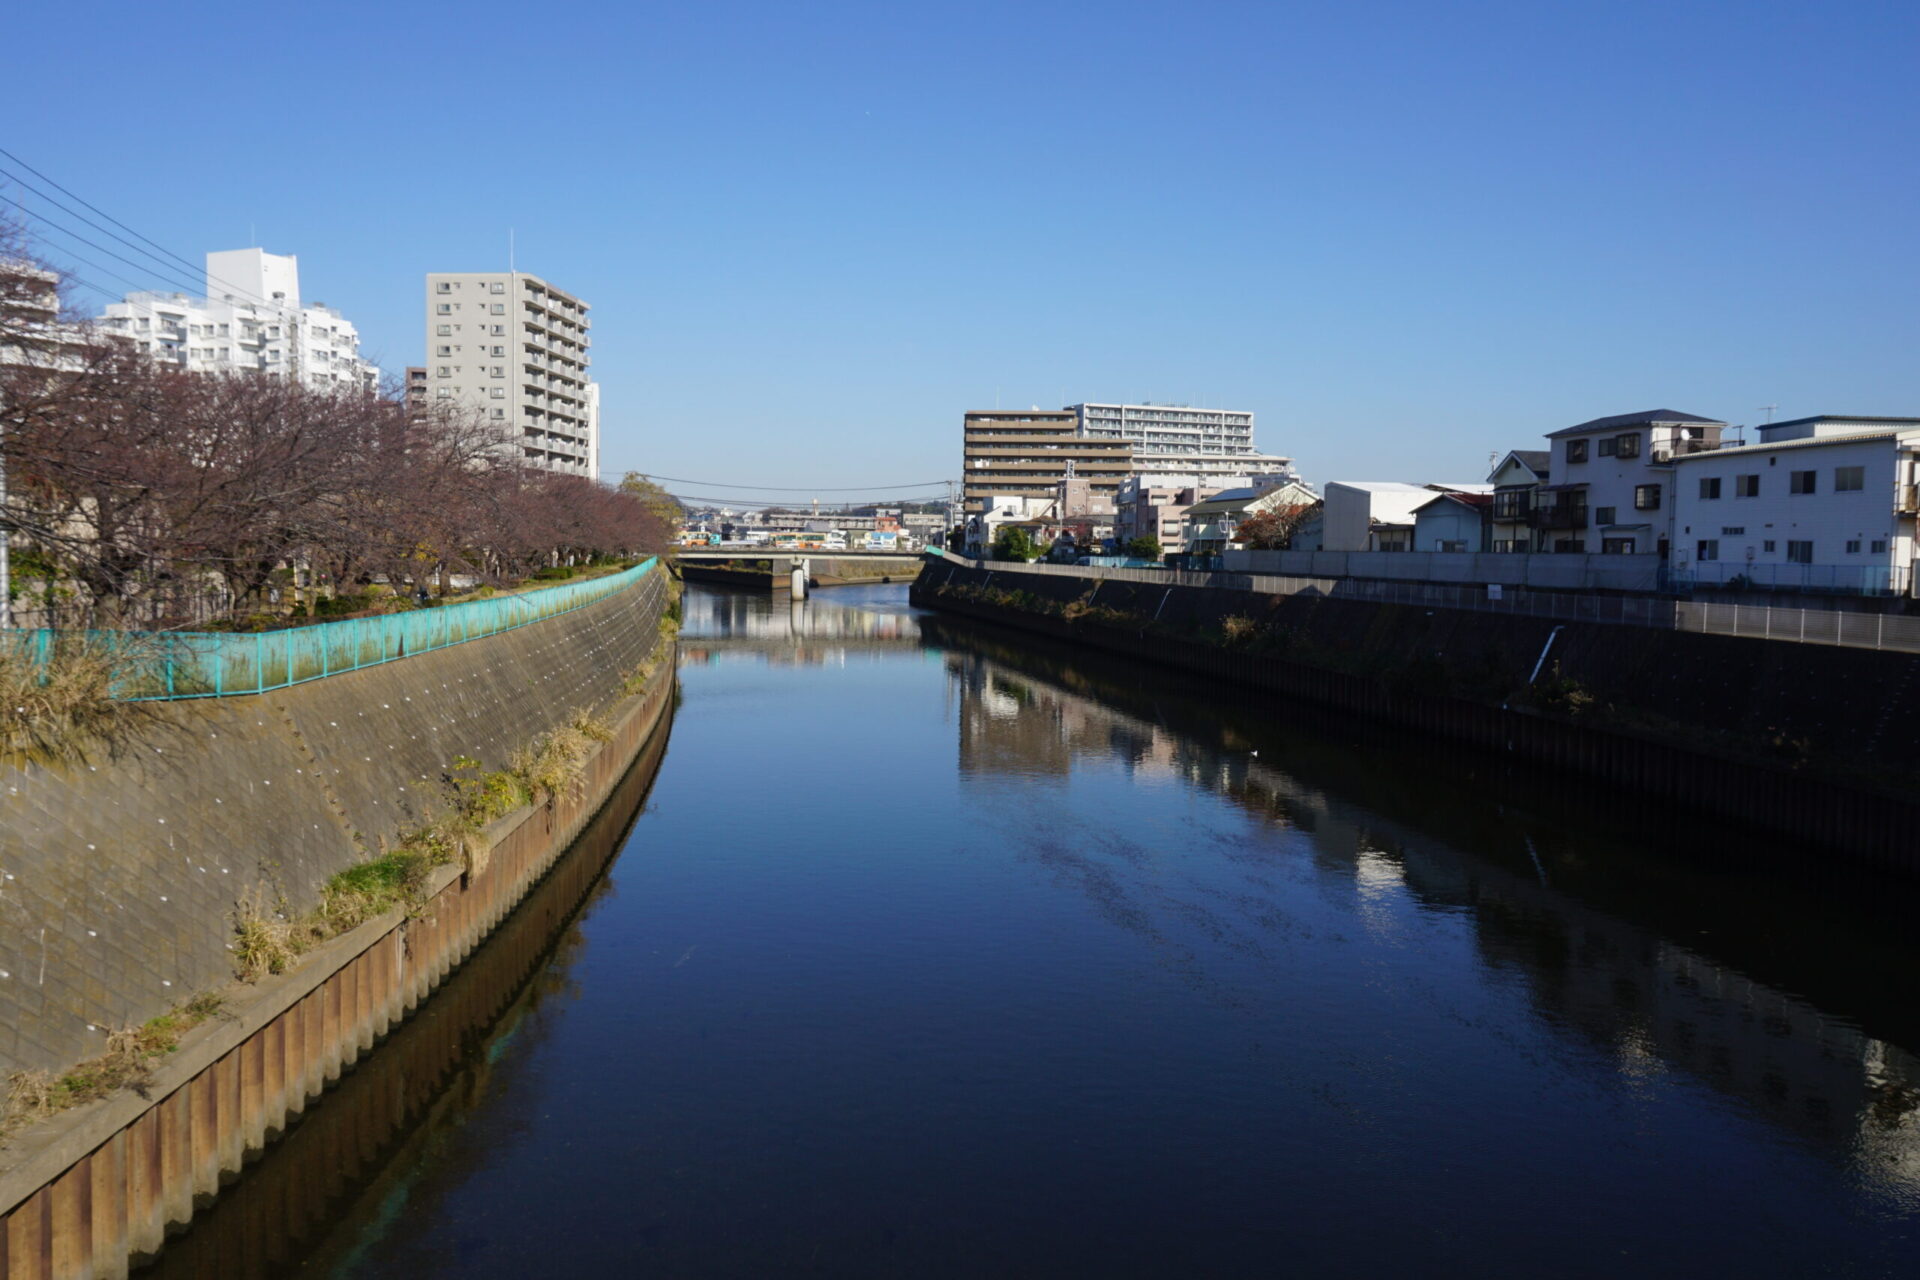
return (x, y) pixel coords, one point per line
(119, 875)
(91, 1190)
(1540, 572)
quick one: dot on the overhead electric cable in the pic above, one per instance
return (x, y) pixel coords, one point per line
(120, 257)
(196, 268)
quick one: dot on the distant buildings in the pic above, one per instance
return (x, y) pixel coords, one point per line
(252, 319)
(1212, 523)
(1378, 515)
(1176, 445)
(513, 348)
(1026, 453)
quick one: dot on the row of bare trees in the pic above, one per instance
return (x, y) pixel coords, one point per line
(129, 486)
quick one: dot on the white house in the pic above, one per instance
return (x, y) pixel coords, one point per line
(1612, 481)
(1377, 515)
(1211, 524)
(1822, 503)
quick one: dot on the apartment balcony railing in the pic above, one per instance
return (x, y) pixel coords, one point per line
(1561, 516)
(1668, 450)
(1513, 506)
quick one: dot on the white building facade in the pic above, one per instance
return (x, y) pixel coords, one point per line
(1613, 479)
(1821, 504)
(251, 320)
(1180, 446)
(514, 348)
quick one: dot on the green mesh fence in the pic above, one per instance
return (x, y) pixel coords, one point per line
(197, 664)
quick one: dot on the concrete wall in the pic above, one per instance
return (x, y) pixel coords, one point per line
(1545, 572)
(119, 875)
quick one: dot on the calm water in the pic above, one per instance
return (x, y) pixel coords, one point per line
(937, 954)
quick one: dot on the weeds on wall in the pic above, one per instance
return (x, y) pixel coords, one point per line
(131, 1055)
(56, 704)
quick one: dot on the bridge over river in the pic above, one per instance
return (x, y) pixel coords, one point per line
(773, 571)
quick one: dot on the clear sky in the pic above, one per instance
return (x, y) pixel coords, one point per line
(1405, 235)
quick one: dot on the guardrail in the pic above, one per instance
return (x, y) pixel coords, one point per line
(161, 665)
(1896, 632)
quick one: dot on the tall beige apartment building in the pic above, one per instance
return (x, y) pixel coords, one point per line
(514, 347)
(1025, 452)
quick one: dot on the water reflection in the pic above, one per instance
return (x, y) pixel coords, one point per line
(1583, 920)
(754, 624)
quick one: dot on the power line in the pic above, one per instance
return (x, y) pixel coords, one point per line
(768, 488)
(119, 257)
(116, 222)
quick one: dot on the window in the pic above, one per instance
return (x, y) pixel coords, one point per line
(1628, 446)
(499, 351)
(1801, 482)
(499, 413)
(1710, 487)
(445, 331)
(1646, 497)
(497, 393)
(443, 350)
(445, 309)
(1767, 546)
(443, 287)
(444, 393)
(1746, 486)
(499, 308)
(1616, 546)
(445, 372)
(1449, 545)
(1799, 552)
(1707, 549)
(1576, 451)
(1849, 479)
(1853, 546)
(1879, 546)
(1605, 448)
(499, 371)
(1732, 530)
(499, 331)
(1604, 515)
(497, 287)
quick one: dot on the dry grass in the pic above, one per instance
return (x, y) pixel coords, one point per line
(130, 1056)
(53, 710)
(265, 939)
(1237, 627)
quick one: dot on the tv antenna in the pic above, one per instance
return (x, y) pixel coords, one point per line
(1768, 410)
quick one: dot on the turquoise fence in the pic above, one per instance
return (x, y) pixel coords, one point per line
(198, 664)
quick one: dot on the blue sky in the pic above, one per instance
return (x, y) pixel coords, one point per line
(1405, 235)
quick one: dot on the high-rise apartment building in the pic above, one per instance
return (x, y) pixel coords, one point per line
(1026, 453)
(252, 319)
(1179, 445)
(514, 348)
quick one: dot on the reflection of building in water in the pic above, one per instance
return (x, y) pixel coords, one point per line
(786, 632)
(1650, 1004)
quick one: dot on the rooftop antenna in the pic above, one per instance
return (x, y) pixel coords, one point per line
(1768, 410)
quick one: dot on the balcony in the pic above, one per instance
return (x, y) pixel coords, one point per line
(1668, 450)
(1513, 505)
(1560, 515)
(1906, 499)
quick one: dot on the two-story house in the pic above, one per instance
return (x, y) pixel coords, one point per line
(1827, 503)
(1516, 480)
(1612, 486)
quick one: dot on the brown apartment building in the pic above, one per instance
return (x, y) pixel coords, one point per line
(1025, 452)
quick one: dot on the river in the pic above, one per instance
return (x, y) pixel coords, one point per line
(939, 951)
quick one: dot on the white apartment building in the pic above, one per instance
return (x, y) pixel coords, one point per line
(514, 348)
(1821, 503)
(1179, 446)
(1613, 480)
(252, 319)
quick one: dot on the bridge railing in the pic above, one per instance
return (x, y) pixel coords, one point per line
(157, 665)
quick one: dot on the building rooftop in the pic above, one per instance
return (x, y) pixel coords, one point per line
(1634, 420)
(1841, 417)
(1808, 442)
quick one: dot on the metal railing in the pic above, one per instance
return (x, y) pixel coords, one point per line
(1897, 632)
(162, 665)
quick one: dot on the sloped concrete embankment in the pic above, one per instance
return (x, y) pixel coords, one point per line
(87, 1191)
(1817, 742)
